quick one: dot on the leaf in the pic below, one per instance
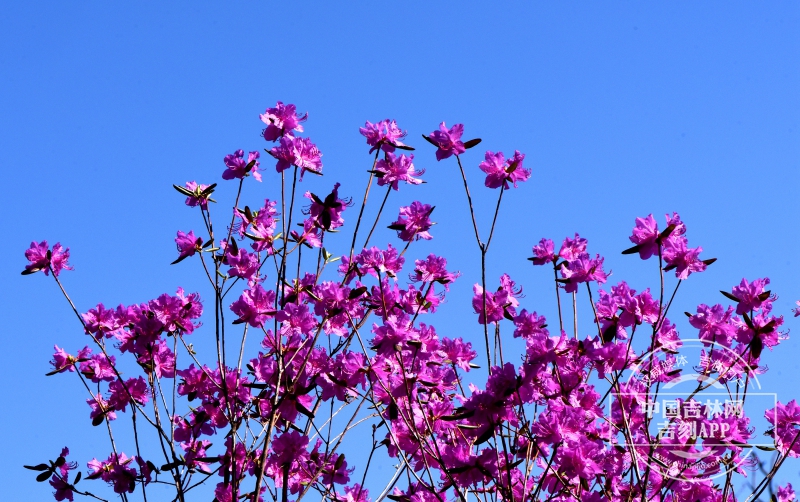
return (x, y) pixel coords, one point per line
(77, 478)
(397, 226)
(357, 292)
(43, 476)
(709, 261)
(429, 140)
(208, 190)
(39, 467)
(404, 147)
(756, 346)
(180, 259)
(729, 296)
(634, 249)
(97, 420)
(485, 436)
(184, 191)
(393, 411)
(302, 409)
(473, 142)
(339, 462)
(512, 167)
(765, 448)
(763, 296)
(30, 271)
(667, 231)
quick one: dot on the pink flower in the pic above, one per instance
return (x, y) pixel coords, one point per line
(499, 171)
(327, 214)
(238, 168)
(543, 252)
(187, 244)
(645, 236)
(413, 222)
(242, 263)
(384, 135)
(62, 361)
(571, 249)
(119, 398)
(433, 268)
(785, 493)
(681, 258)
(393, 169)
(300, 152)
(751, 295)
(448, 142)
(583, 269)
(41, 258)
(198, 198)
(281, 120)
(255, 306)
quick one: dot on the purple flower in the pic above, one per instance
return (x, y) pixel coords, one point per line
(392, 169)
(683, 259)
(571, 249)
(327, 213)
(255, 306)
(197, 198)
(413, 222)
(751, 295)
(448, 142)
(187, 244)
(645, 236)
(785, 493)
(41, 258)
(384, 135)
(238, 168)
(62, 361)
(583, 269)
(433, 269)
(543, 252)
(281, 120)
(499, 171)
(300, 152)
(242, 263)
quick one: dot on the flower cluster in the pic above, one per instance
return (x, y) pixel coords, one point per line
(557, 413)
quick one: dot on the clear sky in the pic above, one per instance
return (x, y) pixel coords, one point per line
(622, 108)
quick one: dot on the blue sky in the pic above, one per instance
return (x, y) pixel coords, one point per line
(623, 109)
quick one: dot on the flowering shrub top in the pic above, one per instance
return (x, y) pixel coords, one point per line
(572, 419)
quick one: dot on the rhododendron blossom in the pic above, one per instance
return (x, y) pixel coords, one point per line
(317, 380)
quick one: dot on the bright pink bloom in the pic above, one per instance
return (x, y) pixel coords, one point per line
(300, 152)
(571, 249)
(384, 135)
(62, 361)
(237, 167)
(393, 169)
(197, 198)
(41, 258)
(751, 295)
(543, 252)
(499, 171)
(281, 120)
(645, 236)
(413, 222)
(188, 244)
(681, 258)
(255, 306)
(785, 493)
(327, 213)
(448, 142)
(433, 268)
